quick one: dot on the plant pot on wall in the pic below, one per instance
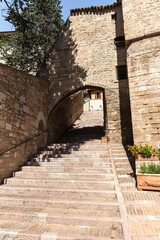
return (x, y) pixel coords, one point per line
(148, 181)
(147, 167)
(140, 160)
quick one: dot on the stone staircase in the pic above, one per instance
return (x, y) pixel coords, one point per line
(66, 192)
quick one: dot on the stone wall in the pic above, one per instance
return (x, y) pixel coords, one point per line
(141, 17)
(23, 105)
(64, 115)
(143, 58)
(24, 117)
(85, 56)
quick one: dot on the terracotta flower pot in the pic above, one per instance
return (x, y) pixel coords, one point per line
(149, 158)
(103, 139)
(148, 181)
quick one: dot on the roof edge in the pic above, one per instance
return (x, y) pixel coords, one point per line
(96, 8)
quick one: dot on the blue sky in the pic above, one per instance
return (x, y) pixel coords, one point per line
(67, 5)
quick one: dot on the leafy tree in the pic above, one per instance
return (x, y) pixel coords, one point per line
(37, 24)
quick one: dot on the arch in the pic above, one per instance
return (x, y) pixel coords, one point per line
(41, 127)
(69, 92)
(70, 100)
(41, 122)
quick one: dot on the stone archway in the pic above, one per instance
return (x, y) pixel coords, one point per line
(67, 110)
(85, 55)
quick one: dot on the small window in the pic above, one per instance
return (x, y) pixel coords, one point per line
(98, 95)
(122, 72)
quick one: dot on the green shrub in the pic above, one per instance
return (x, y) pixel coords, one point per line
(151, 168)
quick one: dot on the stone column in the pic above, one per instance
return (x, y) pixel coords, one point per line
(112, 116)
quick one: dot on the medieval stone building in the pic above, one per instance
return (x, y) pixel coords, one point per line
(115, 48)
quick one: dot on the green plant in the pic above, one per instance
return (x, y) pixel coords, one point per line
(151, 168)
(37, 26)
(145, 151)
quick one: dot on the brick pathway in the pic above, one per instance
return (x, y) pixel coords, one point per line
(79, 189)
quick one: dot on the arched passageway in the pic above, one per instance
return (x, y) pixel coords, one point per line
(72, 106)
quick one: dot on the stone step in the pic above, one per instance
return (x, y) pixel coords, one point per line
(111, 212)
(70, 164)
(74, 155)
(77, 148)
(61, 217)
(80, 144)
(75, 202)
(67, 169)
(69, 152)
(72, 176)
(24, 190)
(73, 159)
(15, 230)
(64, 183)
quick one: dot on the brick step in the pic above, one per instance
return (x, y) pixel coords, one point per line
(126, 179)
(121, 160)
(125, 171)
(99, 185)
(119, 155)
(72, 176)
(69, 164)
(59, 218)
(79, 193)
(66, 169)
(15, 230)
(100, 204)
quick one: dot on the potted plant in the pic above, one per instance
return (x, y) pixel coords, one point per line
(148, 177)
(147, 170)
(105, 139)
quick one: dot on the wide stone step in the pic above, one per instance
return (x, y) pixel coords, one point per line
(78, 145)
(43, 213)
(70, 164)
(75, 151)
(77, 148)
(73, 159)
(75, 202)
(73, 155)
(67, 169)
(15, 230)
(64, 183)
(73, 176)
(60, 217)
(24, 190)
